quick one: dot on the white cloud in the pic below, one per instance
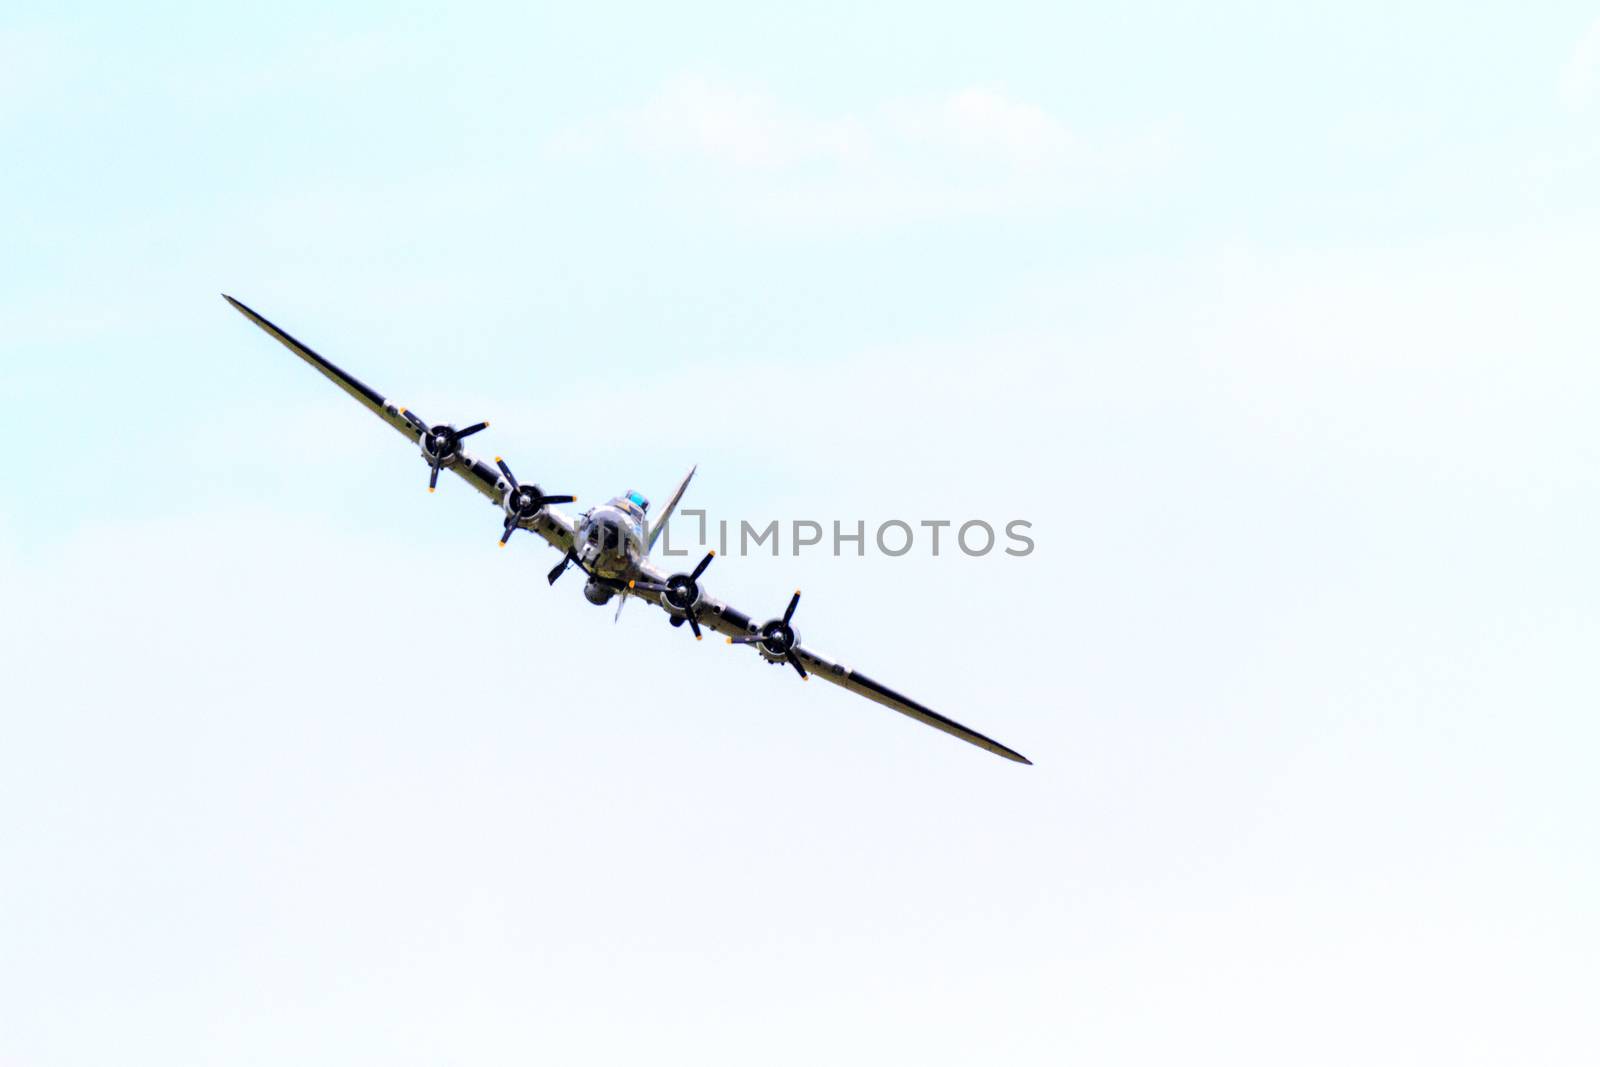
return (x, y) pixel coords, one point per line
(1582, 72)
(694, 117)
(971, 151)
(986, 123)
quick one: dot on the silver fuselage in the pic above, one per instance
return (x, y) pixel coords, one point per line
(611, 539)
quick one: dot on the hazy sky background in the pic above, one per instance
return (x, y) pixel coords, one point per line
(1280, 326)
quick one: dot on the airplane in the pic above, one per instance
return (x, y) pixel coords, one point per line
(611, 543)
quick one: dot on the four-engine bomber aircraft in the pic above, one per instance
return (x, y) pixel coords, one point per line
(611, 544)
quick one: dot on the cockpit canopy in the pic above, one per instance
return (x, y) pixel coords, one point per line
(633, 505)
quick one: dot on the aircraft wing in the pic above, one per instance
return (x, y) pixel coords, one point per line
(560, 530)
(727, 620)
(550, 524)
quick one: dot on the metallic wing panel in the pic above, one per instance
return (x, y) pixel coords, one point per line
(552, 525)
(730, 622)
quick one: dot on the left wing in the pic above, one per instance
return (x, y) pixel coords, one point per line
(550, 524)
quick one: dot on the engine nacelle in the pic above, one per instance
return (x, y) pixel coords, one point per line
(781, 637)
(778, 640)
(439, 446)
(680, 598)
(680, 595)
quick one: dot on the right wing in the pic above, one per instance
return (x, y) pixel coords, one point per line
(729, 621)
(550, 524)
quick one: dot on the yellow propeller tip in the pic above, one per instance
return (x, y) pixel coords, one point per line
(797, 592)
(498, 459)
(730, 640)
(502, 544)
(430, 488)
(713, 552)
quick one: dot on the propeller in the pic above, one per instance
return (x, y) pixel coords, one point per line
(777, 640)
(680, 593)
(441, 445)
(523, 502)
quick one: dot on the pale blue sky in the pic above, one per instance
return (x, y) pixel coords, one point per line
(1278, 325)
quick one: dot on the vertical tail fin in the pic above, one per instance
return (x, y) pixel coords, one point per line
(666, 512)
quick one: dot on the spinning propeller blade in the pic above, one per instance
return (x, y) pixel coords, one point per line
(522, 503)
(680, 594)
(777, 639)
